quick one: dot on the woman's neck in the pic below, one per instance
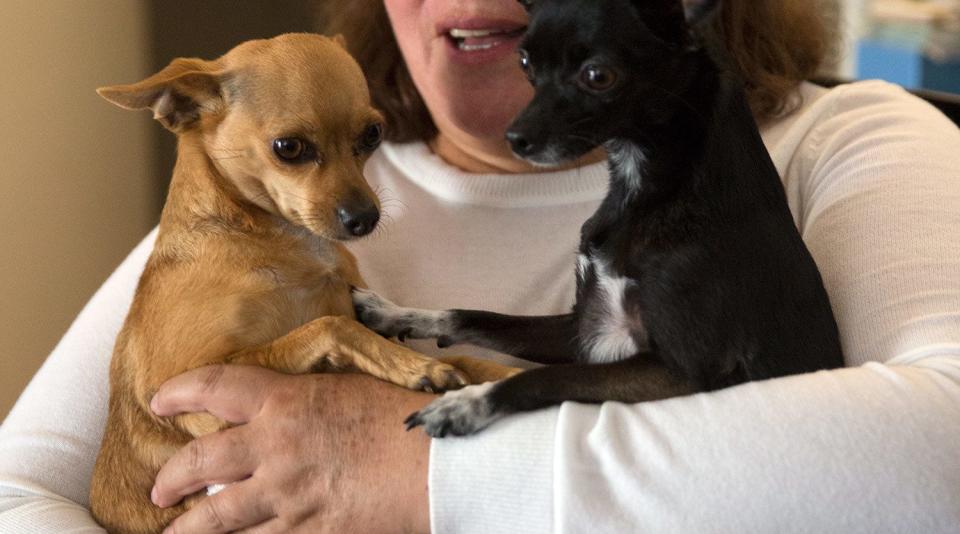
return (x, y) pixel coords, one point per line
(495, 157)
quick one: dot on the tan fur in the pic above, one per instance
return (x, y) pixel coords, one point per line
(248, 267)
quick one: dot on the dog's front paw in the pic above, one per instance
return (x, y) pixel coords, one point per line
(390, 320)
(457, 413)
(437, 376)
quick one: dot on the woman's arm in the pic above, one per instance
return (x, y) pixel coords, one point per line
(869, 450)
(49, 441)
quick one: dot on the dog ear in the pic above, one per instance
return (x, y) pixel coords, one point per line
(671, 25)
(177, 94)
(340, 40)
(697, 11)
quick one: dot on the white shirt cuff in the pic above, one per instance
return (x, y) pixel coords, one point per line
(500, 480)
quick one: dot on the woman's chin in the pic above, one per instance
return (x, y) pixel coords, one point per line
(483, 106)
(486, 123)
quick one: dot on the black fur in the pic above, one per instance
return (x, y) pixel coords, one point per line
(721, 288)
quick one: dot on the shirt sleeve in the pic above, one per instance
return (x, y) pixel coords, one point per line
(870, 448)
(49, 441)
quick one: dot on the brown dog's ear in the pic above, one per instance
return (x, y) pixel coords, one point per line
(177, 94)
(340, 40)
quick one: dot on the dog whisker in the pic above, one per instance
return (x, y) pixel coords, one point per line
(388, 200)
(312, 219)
(588, 140)
(581, 121)
(313, 203)
(224, 149)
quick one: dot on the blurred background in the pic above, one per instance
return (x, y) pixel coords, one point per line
(81, 182)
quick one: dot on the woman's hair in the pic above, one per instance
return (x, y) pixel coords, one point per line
(776, 44)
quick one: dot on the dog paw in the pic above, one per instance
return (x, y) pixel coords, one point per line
(390, 320)
(457, 413)
(438, 377)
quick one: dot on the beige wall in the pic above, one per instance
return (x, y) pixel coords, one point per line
(75, 180)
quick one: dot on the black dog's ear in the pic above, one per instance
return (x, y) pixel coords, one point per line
(672, 20)
(696, 11)
(665, 18)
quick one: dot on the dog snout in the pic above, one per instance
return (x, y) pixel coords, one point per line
(521, 143)
(359, 221)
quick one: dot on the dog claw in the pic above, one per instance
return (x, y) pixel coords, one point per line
(403, 334)
(454, 376)
(426, 385)
(444, 342)
(440, 432)
(412, 421)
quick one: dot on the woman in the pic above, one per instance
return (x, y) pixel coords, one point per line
(870, 174)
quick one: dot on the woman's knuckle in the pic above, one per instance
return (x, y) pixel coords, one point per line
(196, 456)
(213, 515)
(212, 376)
(299, 516)
(237, 450)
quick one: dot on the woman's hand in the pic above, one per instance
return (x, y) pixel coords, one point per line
(318, 453)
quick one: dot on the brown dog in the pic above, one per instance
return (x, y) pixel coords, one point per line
(248, 267)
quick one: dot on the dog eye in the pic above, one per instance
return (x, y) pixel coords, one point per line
(371, 138)
(525, 64)
(293, 149)
(598, 78)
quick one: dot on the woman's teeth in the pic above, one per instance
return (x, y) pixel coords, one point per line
(464, 34)
(475, 40)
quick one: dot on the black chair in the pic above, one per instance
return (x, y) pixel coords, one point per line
(947, 103)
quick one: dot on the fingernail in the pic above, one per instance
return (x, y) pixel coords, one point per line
(153, 496)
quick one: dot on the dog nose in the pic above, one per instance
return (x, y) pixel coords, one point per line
(359, 222)
(519, 143)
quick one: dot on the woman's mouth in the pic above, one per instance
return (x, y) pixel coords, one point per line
(476, 40)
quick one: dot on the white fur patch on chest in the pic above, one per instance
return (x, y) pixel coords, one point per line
(611, 333)
(627, 159)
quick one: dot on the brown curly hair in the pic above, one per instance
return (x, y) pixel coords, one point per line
(776, 44)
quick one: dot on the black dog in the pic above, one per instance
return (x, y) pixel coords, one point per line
(691, 275)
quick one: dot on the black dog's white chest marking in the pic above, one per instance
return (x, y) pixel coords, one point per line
(608, 332)
(627, 161)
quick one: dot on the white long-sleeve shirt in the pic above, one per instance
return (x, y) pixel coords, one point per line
(873, 180)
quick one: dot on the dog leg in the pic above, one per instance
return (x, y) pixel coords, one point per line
(336, 343)
(547, 339)
(480, 371)
(473, 408)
